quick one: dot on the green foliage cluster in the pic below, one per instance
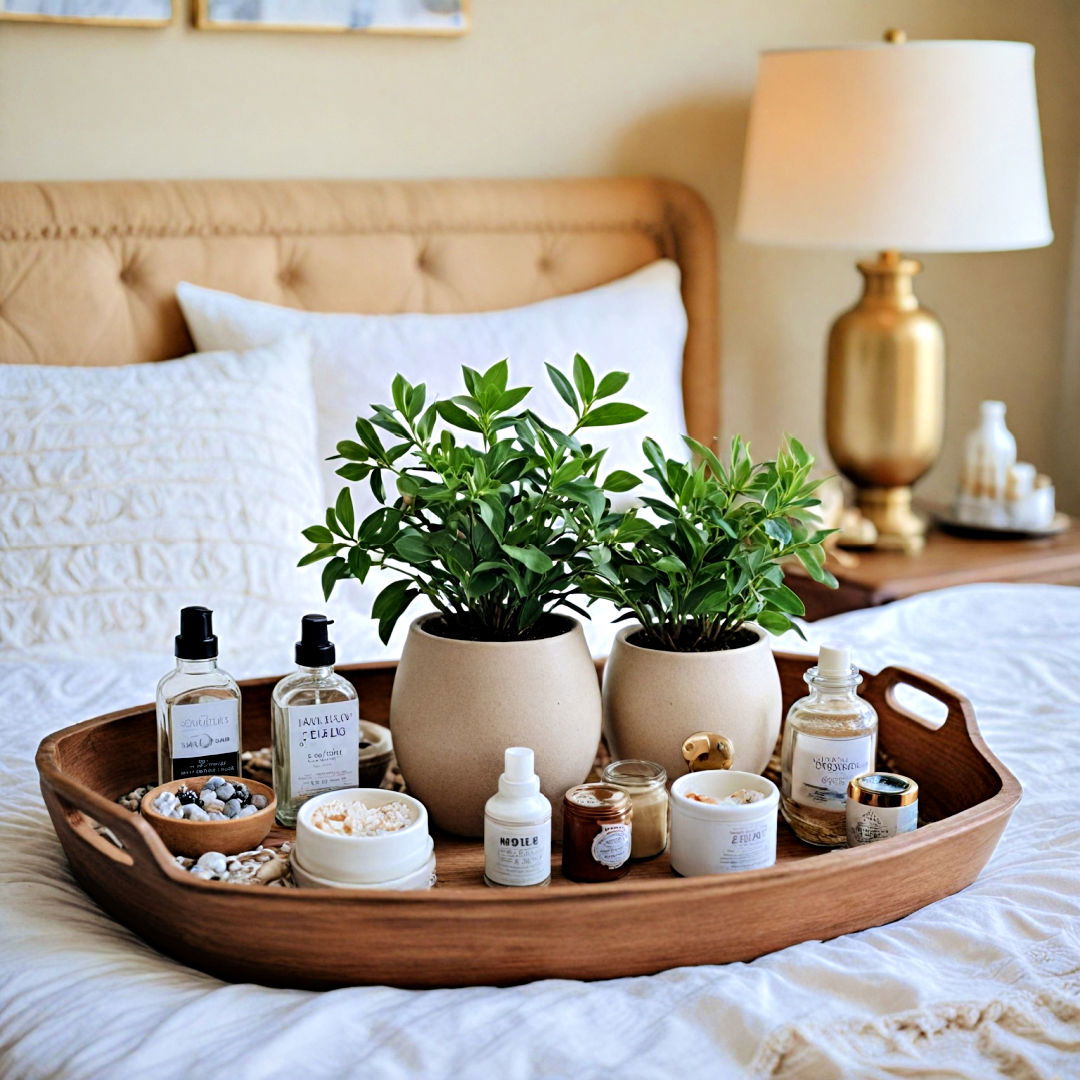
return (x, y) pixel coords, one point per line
(499, 518)
(698, 562)
(494, 527)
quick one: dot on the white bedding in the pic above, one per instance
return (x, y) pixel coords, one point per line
(982, 984)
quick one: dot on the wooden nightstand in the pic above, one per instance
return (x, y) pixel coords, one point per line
(880, 577)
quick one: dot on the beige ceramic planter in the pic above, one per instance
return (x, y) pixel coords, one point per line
(653, 700)
(457, 705)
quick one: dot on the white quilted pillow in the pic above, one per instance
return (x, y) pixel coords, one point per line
(128, 492)
(635, 324)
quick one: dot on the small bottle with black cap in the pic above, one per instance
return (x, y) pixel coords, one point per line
(198, 706)
(316, 724)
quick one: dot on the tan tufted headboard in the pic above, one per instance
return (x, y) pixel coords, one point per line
(88, 270)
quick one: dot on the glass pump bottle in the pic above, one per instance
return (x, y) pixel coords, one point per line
(198, 706)
(316, 724)
(830, 737)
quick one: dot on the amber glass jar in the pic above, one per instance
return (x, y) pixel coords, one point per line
(596, 833)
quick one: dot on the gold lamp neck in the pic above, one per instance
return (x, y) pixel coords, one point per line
(888, 279)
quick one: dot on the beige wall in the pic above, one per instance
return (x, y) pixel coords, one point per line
(575, 87)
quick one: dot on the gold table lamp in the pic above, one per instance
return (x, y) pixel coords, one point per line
(926, 146)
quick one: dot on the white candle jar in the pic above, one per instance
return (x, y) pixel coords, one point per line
(881, 805)
(718, 837)
(401, 859)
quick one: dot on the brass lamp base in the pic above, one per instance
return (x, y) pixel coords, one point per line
(885, 399)
(896, 524)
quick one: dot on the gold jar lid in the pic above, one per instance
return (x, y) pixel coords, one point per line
(883, 789)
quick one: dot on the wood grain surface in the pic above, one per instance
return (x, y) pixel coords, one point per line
(463, 933)
(879, 577)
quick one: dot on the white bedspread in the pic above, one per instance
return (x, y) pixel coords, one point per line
(982, 984)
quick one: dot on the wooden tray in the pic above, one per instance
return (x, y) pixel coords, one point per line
(463, 933)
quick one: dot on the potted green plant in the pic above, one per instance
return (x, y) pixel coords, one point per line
(491, 513)
(698, 567)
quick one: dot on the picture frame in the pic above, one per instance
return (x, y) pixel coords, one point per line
(436, 18)
(132, 13)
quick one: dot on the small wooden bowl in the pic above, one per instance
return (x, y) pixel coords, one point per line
(193, 838)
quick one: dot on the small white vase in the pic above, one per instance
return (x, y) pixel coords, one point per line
(654, 699)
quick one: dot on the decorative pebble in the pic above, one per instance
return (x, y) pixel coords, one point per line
(218, 800)
(213, 861)
(261, 866)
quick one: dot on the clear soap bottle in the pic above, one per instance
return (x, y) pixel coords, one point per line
(316, 724)
(830, 737)
(198, 706)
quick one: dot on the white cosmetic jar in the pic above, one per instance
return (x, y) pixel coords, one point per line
(390, 860)
(722, 838)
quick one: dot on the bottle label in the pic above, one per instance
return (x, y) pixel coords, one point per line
(517, 854)
(821, 768)
(744, 845)
(865, 824)
(324, 747)
(611, 845)
(206, 738)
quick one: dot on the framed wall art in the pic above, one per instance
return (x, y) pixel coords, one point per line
(438, 17)
(90, 12)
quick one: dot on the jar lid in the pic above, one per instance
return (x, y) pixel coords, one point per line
(597, 799)
(634, 774)
(883, 789)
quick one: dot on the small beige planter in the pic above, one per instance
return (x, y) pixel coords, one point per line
(457, 705)
(653, 700)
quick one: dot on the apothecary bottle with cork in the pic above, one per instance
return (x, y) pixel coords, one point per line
(830, 737)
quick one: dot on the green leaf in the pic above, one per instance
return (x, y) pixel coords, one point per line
(563, 387)
(413, 547)
(583, 377)
(786, 600)
(779, 530)
(318, 534)
(323, 551)
(612, 413)
(456, 415)
(612, 383)
(353, 471)
(621, 480)
(352, 450)
(390, 604)
(774, 622)
(336, 568)
(377, 487)
(344, 509)
(670, 564)
(390, 598)
(532, 557)
(359, 563)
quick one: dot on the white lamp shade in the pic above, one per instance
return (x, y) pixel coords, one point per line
(922, 146)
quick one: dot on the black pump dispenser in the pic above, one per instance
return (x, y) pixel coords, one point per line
(315, 649)
(196, 640)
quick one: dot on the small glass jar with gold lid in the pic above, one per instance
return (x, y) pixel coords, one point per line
(596, 833)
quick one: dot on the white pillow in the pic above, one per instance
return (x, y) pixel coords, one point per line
(635, 324)
(128, 492)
